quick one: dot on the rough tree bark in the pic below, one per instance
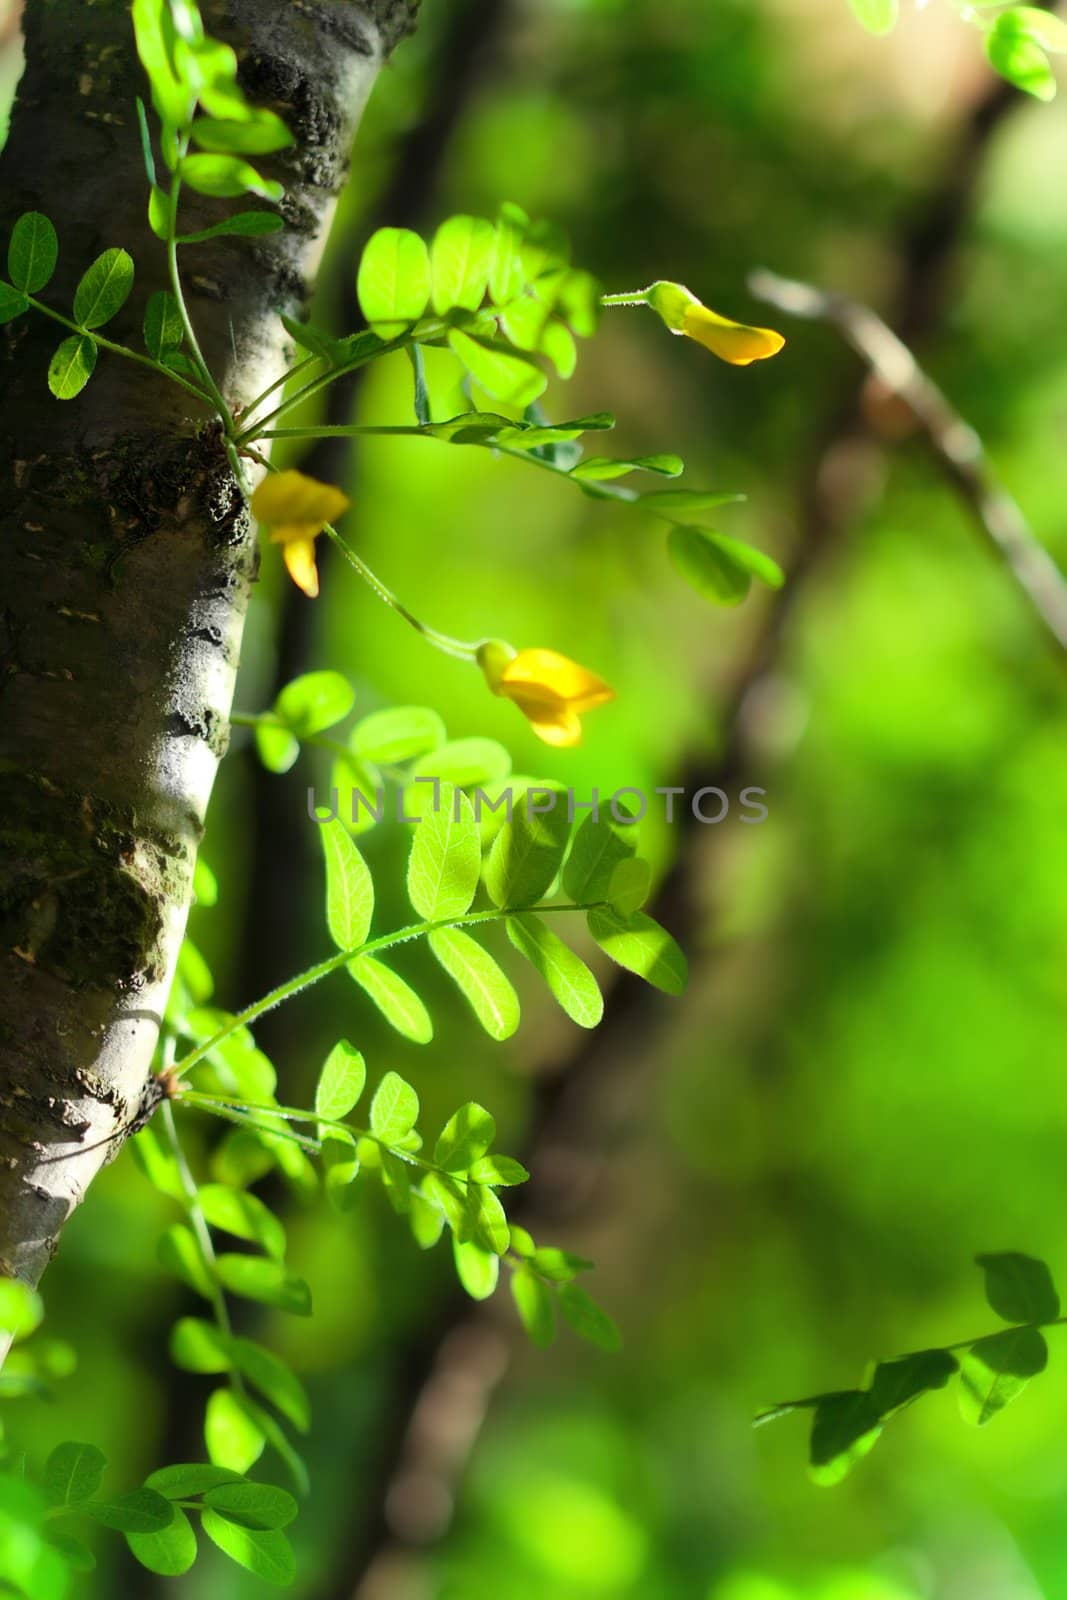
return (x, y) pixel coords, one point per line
(128, 557)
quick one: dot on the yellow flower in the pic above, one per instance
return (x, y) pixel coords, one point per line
(548, 688)
(731, 341)
(296, 508)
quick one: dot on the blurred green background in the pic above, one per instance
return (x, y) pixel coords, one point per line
(789, 1171)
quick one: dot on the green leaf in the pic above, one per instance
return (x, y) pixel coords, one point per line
(341, 1081)
(461, 258)
(393, 283)
(719, 568)
(278, 749)
(232, 1432)
(897, 1383)
(427, 1221)
(588, 1320)
(1044, 27)
(315, 701)
(498, 1172)
(32, 252)
(1015, 53)
(396, 1181)
(159, 213)
(476, 974)
(349, 887)
(527, 854)
(630, 885)
(535, 1304)
(578, 301)
(173, 99)
(506, 377)
(273, 1379)
(157, 1164)
(566, 974)
(845, 1427)
(72, 366)
(467, 1134)
(598, 468)
(996, 1370)
(163, 328)
(669, 501)
(1019, 1288)
(600, 844)
(423, 414)
(446, 858)
(21, 1308)
(462, 762)
(199, 1346)
(246, 224)
(478, 1270)
(279, 1442)
(398, 734)
(395, 999)
(103, 289)
(72, 1473)
(267, 1281)
(169, 1551)
(179, 1253)
(243, 1215)
(506, 270)
(484, 1221)
(226, 176)
(12, 303)
(77, 1556)
(877, 16)
(253, 1505)
(266, 1552)
(641, 946)
(186, 1480)
(257, 135)
(394, 1109)
(140, 1511)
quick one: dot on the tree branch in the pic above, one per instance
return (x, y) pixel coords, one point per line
(955, 444)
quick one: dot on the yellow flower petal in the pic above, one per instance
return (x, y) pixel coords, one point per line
(563, 730)
(299, 556)
(546, 678)
(734, 342)
(293, 498)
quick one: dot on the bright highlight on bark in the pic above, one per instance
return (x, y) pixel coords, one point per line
(296, 508)
(735, 342)
(549, 689)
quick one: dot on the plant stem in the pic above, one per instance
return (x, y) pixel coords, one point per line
(183, 310)
(312, 975)
(199, 1224)
(118, 349)
(459, 648)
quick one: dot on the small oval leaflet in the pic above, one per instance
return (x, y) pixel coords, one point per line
(72, 366)
(32, 252)
(103, 289)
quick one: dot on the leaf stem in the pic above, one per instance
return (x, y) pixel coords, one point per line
(117, 349)
(459, 648)
(322, 969)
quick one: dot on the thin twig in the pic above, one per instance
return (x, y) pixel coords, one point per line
(955, 444)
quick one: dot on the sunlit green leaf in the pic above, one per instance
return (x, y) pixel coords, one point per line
(257, 135)
(246, 224)
(349, 887)
(461, 257)
(398, 734)
(223, 177)
(257, 1278)
(599, 845)
(73, 1473)
(506, 377)
(476, 974)
(535, 1303)
(232, 1433)
(446, 858)
(72, 366)
(243, 1215)
(477, 1269)
(877, 16)
(527, 854)
(566, 974)
(341, 1081)
(170, 1551)
(467, 1134)
(393, 284)
(139, 1511)
(598, 468)
(1014, 50)
(252, 1505)
(640, 945)
(845, 1427)
(395, 999)
(12, 303)
(394, 1109)
(266, 1552)
(994, 1371)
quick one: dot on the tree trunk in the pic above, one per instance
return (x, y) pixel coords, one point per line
(128, 559)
